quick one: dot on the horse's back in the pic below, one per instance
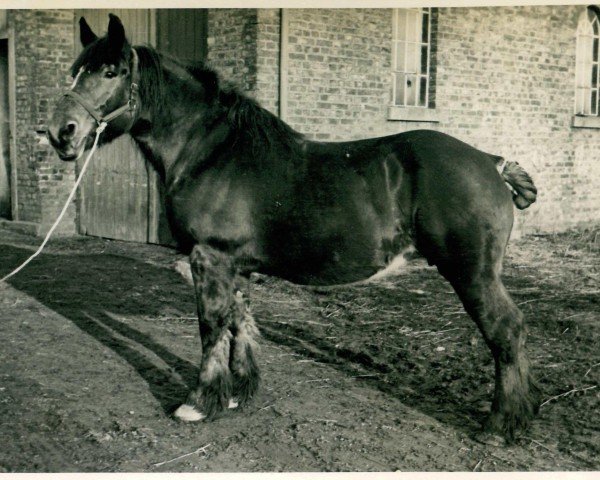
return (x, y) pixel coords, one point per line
(441, 169)
(427, 149)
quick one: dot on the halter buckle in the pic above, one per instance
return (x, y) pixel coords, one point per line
(133, 91)
(132, 104)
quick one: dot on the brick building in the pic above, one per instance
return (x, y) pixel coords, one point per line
(513, 81)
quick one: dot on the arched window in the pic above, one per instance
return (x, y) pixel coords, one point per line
(588, 62)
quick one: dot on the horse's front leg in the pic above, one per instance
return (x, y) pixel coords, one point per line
(213, 274)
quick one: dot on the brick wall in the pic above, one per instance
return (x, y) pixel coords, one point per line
(231, 42)
(43, 54)
(504, 83)
(243, 46)
(267, 63)
(339, 64)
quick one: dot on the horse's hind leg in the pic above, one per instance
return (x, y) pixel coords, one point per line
(471, 259)
(516, 398)
(213, 274)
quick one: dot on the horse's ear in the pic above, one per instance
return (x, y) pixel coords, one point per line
(85, 33)
(116, 32)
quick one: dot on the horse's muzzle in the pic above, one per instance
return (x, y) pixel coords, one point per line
(64, 148)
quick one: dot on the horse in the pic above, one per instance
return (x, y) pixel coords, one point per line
(244, 192)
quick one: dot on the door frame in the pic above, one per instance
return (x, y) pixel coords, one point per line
(153, 178)
(12, 123)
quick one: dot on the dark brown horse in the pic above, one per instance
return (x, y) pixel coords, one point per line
(245, 192)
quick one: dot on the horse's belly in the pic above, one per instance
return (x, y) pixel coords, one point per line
(324, 275)
(338, 259)
(340, 273)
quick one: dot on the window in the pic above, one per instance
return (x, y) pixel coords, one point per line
(588, 60)
(411, 57)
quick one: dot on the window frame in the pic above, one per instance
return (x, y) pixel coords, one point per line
(587, 101)
(417, 43)
(412, 107)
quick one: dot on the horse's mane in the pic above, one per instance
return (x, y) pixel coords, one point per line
(247, 118)
(243, 113)
(254, 121)
(152, 86)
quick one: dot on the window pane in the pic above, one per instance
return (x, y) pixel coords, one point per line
(400, 56)
(595, 55)
(401, 24)
(587, 107)
(580, 101)
(423, 92)
(594, 103)
(399, 79)
(411, 27)
(424, 59)
(411, 90)
(412, 57)
(586, 50)
(595, 76)
(425, 28)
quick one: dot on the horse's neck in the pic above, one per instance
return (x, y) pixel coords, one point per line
(163, 135)
(160, 149)
(195, 121)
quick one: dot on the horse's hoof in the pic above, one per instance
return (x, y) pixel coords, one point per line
(492, 439)
(233, 403)
(188, 413)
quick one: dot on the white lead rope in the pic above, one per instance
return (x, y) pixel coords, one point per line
(99, 131)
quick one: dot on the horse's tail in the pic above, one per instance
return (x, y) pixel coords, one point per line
(518, 180)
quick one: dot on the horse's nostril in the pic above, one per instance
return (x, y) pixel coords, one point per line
(68, 131)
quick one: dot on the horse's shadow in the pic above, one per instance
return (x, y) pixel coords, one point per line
(421, 385)
(86, 290)
(94, 290)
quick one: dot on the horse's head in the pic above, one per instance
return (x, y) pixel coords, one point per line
(104, 89)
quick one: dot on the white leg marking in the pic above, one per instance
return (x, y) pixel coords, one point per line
(188, 413)
(185, 270)
(394, 266)
(233, 403)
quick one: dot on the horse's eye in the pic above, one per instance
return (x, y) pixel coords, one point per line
(110, 74)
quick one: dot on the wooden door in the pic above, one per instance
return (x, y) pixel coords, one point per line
(116, 191)
(181, 32)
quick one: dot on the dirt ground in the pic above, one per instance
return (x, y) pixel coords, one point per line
(98, 345)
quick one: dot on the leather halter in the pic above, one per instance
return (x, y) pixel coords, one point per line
(131, 104)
